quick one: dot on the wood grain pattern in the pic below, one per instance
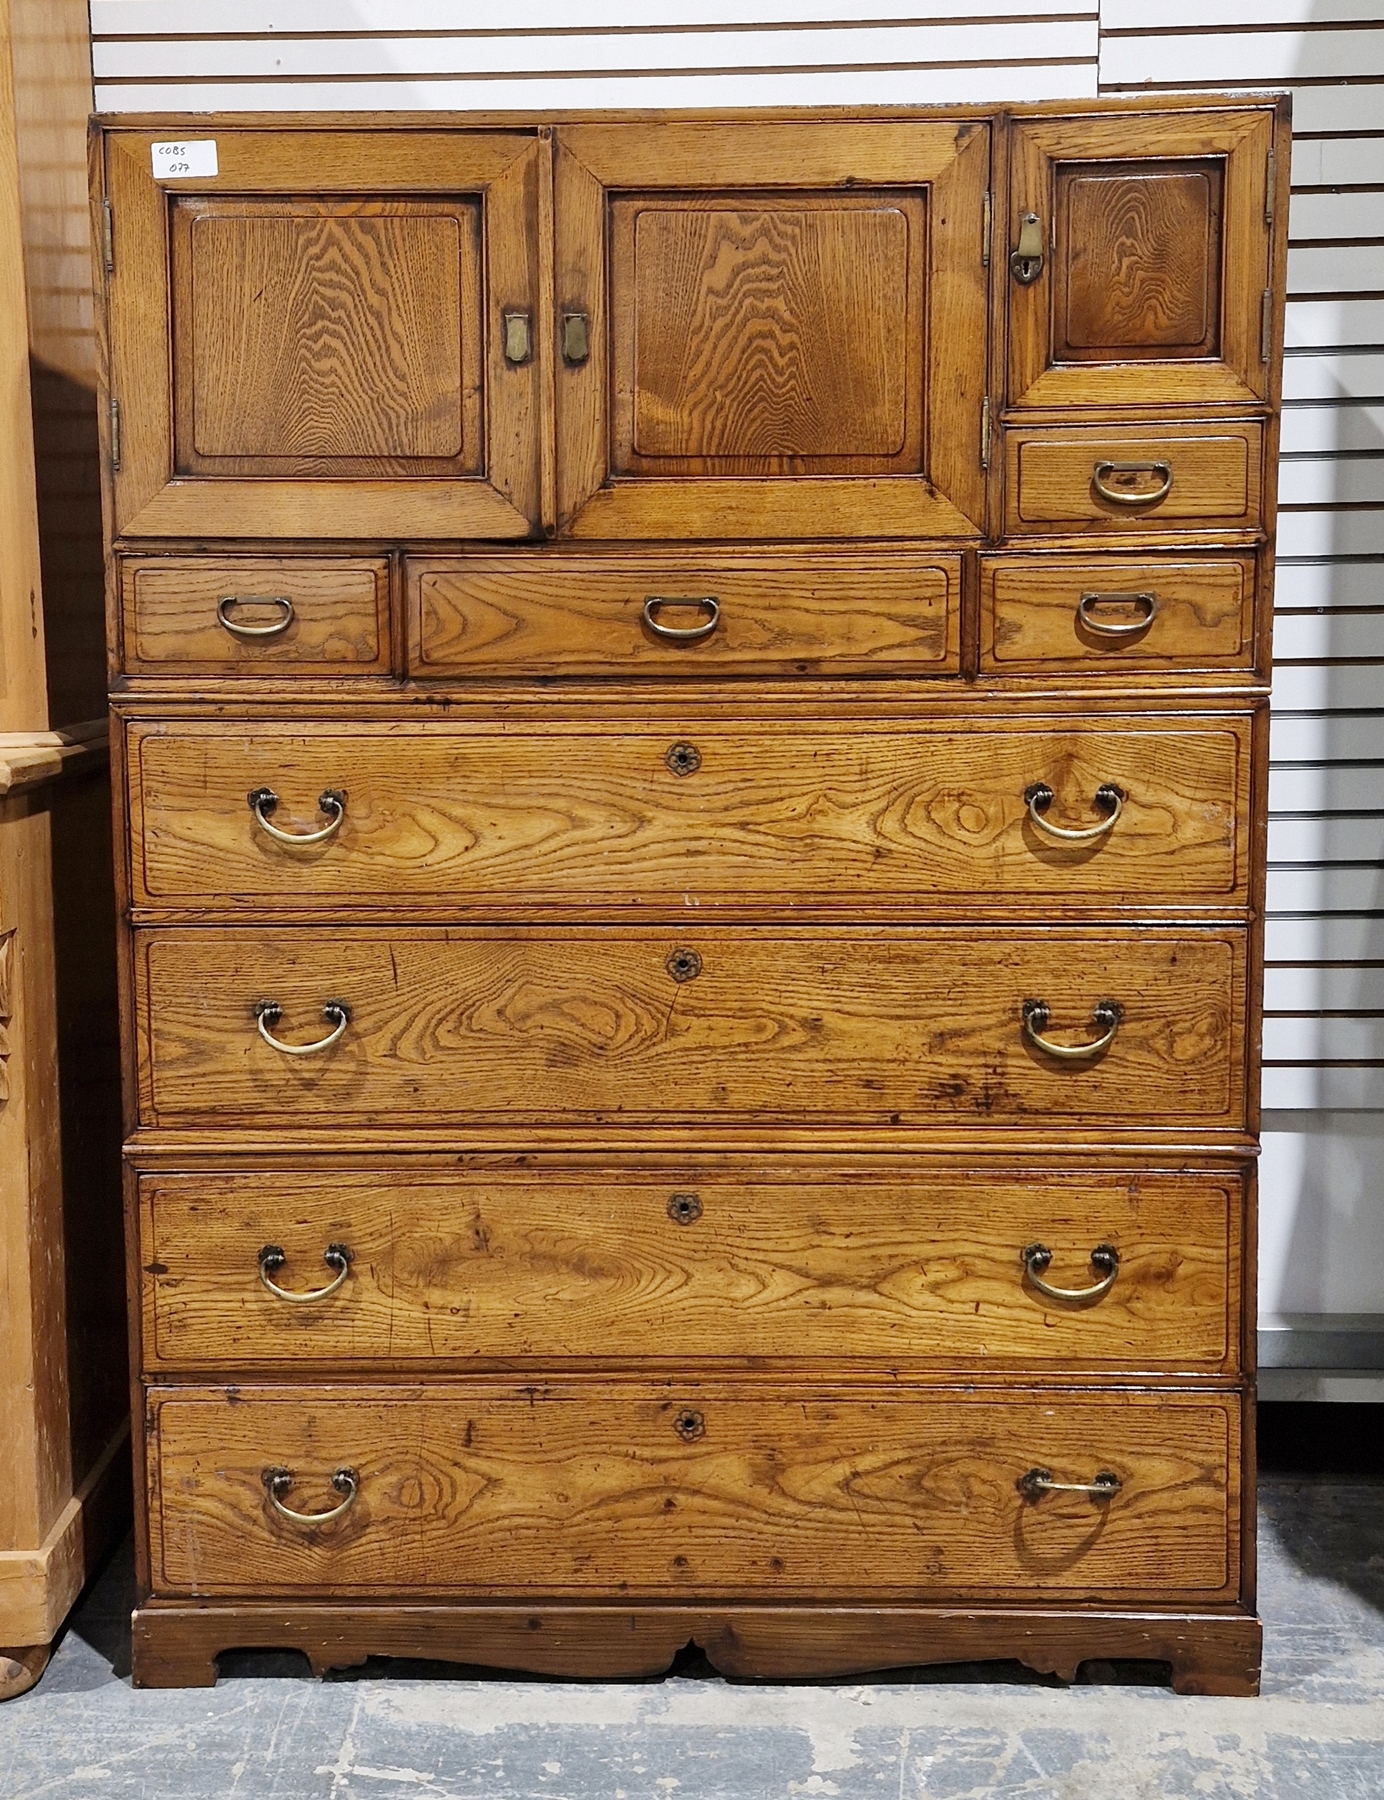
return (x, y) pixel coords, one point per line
(779, 1027)
(451, 1270)
(592, 1490)
(1216, 477)
(591, 819)
(340, 614)
(779, 615)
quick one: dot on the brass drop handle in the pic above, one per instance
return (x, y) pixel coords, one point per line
(518, 338)
(576, 338)
(1040, 797)
(271, 1257)
(263, 800)
(1123, 496)
(277, 629)
(1111, 628)
(277, 1483)
(1105, 1257)
(1038, 1482)
(1026, 259)
(1106, 1014)
(682, 634)
(269, 1012)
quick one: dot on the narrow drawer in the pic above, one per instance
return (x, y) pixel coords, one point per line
(594, 818)
(600, 616)
(249, 615)
(709, 1026)
(432, 1269)
(688, 1488)
(1102, 478)
(1069, 615)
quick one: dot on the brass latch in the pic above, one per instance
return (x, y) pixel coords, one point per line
(576, 346)
(1026, 262)
(518, 339)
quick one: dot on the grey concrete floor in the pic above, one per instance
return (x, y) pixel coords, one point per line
(410, 1731)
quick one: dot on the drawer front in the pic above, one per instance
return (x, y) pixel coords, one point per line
(1133, 478)
(248, 616)
(593, 818)
(436, 1268)
(729, 1026)
(1068, 615)
(628, 616)
(693, 1489)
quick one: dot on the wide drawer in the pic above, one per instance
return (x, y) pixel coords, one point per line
(598, 818)
(255, 615)
(711, 1026)
(700, 1264)
(1102, 478)
(1046, 615)
(599, 616)
(687, 1488)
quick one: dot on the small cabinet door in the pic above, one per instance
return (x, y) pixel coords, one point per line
(312, 340)
(771, 329)
(1154, 244)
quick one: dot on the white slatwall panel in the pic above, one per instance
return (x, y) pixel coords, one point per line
(1324, 1034)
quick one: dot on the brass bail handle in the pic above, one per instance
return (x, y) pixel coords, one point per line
(263, 800)
(1038, 1482)
(1039, 797)
(269, 1012)
(1126, 496)
(1026, 259)
(1105, 1015)
(272, 1258)
(682, 634)
(277, 1483)
(1146, 600)
(1105, 1257)
(275, 629)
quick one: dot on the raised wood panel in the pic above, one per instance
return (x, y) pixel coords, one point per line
(697, 1490)
(776, 1027)
(463, 1269)
(597, 819)
(896, 613)
(1051, 476)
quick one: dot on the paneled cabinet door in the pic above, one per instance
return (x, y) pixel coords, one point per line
(771, 329)
(313, 340)
(1152, 244)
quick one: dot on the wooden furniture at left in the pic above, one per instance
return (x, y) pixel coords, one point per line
(64, 1432)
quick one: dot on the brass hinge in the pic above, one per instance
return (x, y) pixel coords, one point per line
(115, 436)
(1266, 325)
(986, 221)
(108, 236)
(985, 432)
(1268, 189)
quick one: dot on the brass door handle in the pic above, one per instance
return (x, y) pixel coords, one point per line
(1123, 497)
(1026, 258)
(277, 629)
(682, 634)
(263, 800)
(1038, 1482)
(1106, 1014)
(277, 1482)
(1105, 1257)
(1040, 797)
(1107, 628)
(576, 338)
(268, 1012)
(336, 1256)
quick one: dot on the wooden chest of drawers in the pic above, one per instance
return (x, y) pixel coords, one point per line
(691, 735)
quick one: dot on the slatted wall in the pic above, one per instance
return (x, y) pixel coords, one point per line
(1323, 1211)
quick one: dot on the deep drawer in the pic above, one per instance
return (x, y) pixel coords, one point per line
(433, 1269)
(736, 1491)
(712, 1026)
(595, 818)
(1105, 478)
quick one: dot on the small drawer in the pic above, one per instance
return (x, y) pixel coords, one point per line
(1107, 479)
(601, 616)
(719, 1490)
(247, 615)
(1028, 1269)
(399, 1028)
(1064, 615)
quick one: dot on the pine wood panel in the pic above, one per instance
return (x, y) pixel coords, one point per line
(452, 1269)
(592, 818)
(777, 1026)
(340, 614)
(778, 615)
(1216, 475)
(580, 1491)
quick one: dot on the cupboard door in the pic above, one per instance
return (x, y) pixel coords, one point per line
(1156, 256)
(312, 341)
(771, 329)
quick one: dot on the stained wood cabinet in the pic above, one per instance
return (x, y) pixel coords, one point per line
(692, 703)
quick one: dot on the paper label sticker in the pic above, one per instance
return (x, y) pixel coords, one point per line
(172, 161)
